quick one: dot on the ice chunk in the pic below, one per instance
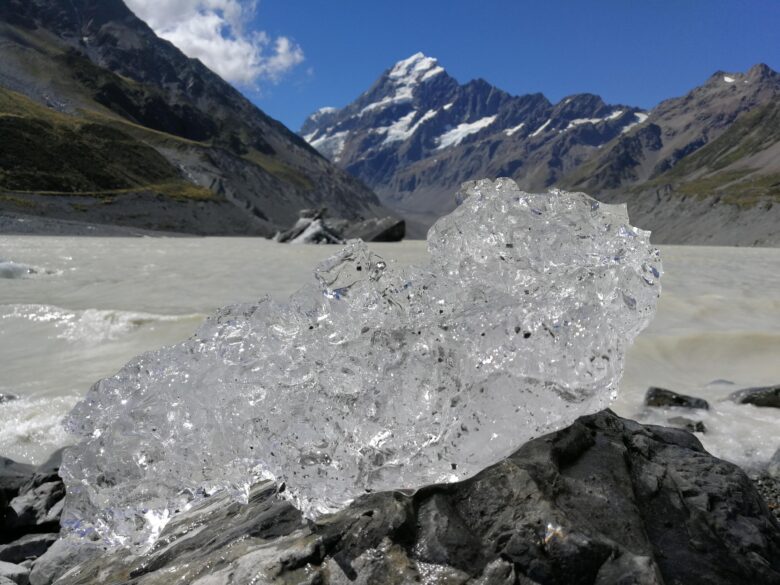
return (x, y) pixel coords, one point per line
(10, 269)
(372, 377)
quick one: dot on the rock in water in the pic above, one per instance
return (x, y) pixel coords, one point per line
(374, 378)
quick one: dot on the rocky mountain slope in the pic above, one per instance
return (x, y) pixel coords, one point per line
(416, 134)
(103, 121)
(705, 168)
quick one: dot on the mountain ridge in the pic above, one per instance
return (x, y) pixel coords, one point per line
(614, 152)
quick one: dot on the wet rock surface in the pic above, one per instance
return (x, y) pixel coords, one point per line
(31, 500)
(663, 398)
(30, 546)
(767, 396)
(605, 500)
(14, 573)
(689, 424)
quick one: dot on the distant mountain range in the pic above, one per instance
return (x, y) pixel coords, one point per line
(702, 168)
(102, 121)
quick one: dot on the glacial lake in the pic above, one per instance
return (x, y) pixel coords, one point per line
(94, 303)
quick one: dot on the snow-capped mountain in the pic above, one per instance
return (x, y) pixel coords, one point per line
(417, 133)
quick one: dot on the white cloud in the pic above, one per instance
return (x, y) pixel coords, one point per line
(214, 31)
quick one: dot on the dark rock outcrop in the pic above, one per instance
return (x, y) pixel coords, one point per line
(382, 229)
(315, 227)
(604, 501)
(664, 398)
(30, 546)
(11, 573)
(767, 396)
(31, 500)
(13, 476)
(682, 422)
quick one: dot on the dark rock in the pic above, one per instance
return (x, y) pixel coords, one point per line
(14, 573)
(768, 396)
(7, 397)
(62, 555)
(31, 509)
(13, 476)
(31, 499)
(30, 546)
(385, 229)
(604, 501)
(314, 227)
(681, 422)
(662, 397)
(309, 231)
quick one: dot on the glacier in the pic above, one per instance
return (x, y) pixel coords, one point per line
(373, 377)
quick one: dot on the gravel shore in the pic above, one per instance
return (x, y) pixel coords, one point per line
(769, 488)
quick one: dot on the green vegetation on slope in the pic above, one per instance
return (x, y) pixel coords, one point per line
(723, 167)
(281, 171)
(44, 151)
(752, 133)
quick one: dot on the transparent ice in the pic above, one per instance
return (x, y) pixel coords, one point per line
(374, 378)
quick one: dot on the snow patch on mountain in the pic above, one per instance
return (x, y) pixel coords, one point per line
(331, 145)
(402, 129)
(514, 129)
(640, 117)
(406, 75)
(579, 121)
(414, 68)
(541, 128)
(457, 134)
(728, 79)
(322, 111)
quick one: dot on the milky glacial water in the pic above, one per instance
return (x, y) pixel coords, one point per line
(73, 310)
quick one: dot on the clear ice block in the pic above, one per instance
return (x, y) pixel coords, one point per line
(374, 378)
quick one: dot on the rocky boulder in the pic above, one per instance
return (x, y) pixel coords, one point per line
(31, 500)
(604, 501)
(665, 398)
(315, 227)
(767, 396)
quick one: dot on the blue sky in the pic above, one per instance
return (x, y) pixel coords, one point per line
(312, 53)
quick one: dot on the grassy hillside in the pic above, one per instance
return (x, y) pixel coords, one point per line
(44, 151)
(742, 164)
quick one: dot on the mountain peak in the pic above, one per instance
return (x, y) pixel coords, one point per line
(761, 71)
(415, 69)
